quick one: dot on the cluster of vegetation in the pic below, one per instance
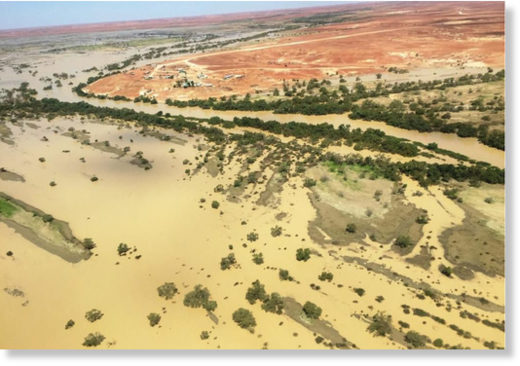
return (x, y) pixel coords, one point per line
(272, 303)
(228, 261)
(153, 319)
(167, 290)
(20, 102)
(343, 100)
(303, 254)
(93, 340)
(381, 324)
(93, 315)
(284, 275)
(245, 319)
(326, 276)
(200, 297)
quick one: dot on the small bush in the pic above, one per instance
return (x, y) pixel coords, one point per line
(381, 324)
(311, 310)
(422, 219)
(122, 248)
(154, 319)
(93, 315)
(227, 262)
(89, 244)
(252, 236)
(93, 339)
(351, 228)
(167, 290)
(326, 276)
(403, 241)
(258, 258)
(204, 335)
(276, 231)
(303, 254)
(69, 324)
(359, 291)
(403, 324)
(445, 270)
(215, 204)
(244, 318)
(284, 275)
(438, 343)
(489, 200)
(415, 339)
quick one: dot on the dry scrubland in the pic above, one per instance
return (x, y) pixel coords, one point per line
(119, 232)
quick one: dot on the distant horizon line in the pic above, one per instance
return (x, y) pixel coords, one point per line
(315, 4)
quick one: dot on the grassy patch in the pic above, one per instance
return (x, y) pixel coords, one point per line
(7, 209)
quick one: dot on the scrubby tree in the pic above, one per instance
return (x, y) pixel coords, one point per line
(258, 258)
(245, 319)
(351, 228)
(228, 261)
(154, 319)
(256, 292)
(93, 339)
(303, 254)
(122, 248)
(167, 290)
(199, 297)
(93, 315)
(273, 303)
(380, 324)
(311, 310)
(403, 241)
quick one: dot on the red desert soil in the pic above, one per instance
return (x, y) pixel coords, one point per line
(410, 36)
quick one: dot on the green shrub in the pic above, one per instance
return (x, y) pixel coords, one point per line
(359, 291)
(204, 335)
(199, 297)
(415, 339)
(227, 262)
(326, 276)
(351, 228)
(244, 318)
(420, 312)
(445, 270)
(93, 315)
(215, 204)
(69, 324)
(311, 310)
(252, 236)
(438, 343)
(256, 292)
(93, 339)
(403, 241)
(89, 244)
(273, 303)
(154, 319)
(122, 248)
(422, 219)
(284, 275)
(167, 290)
(380, 324)
(303, 254)
(276, 231)
(258, 258)
(403, 324)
